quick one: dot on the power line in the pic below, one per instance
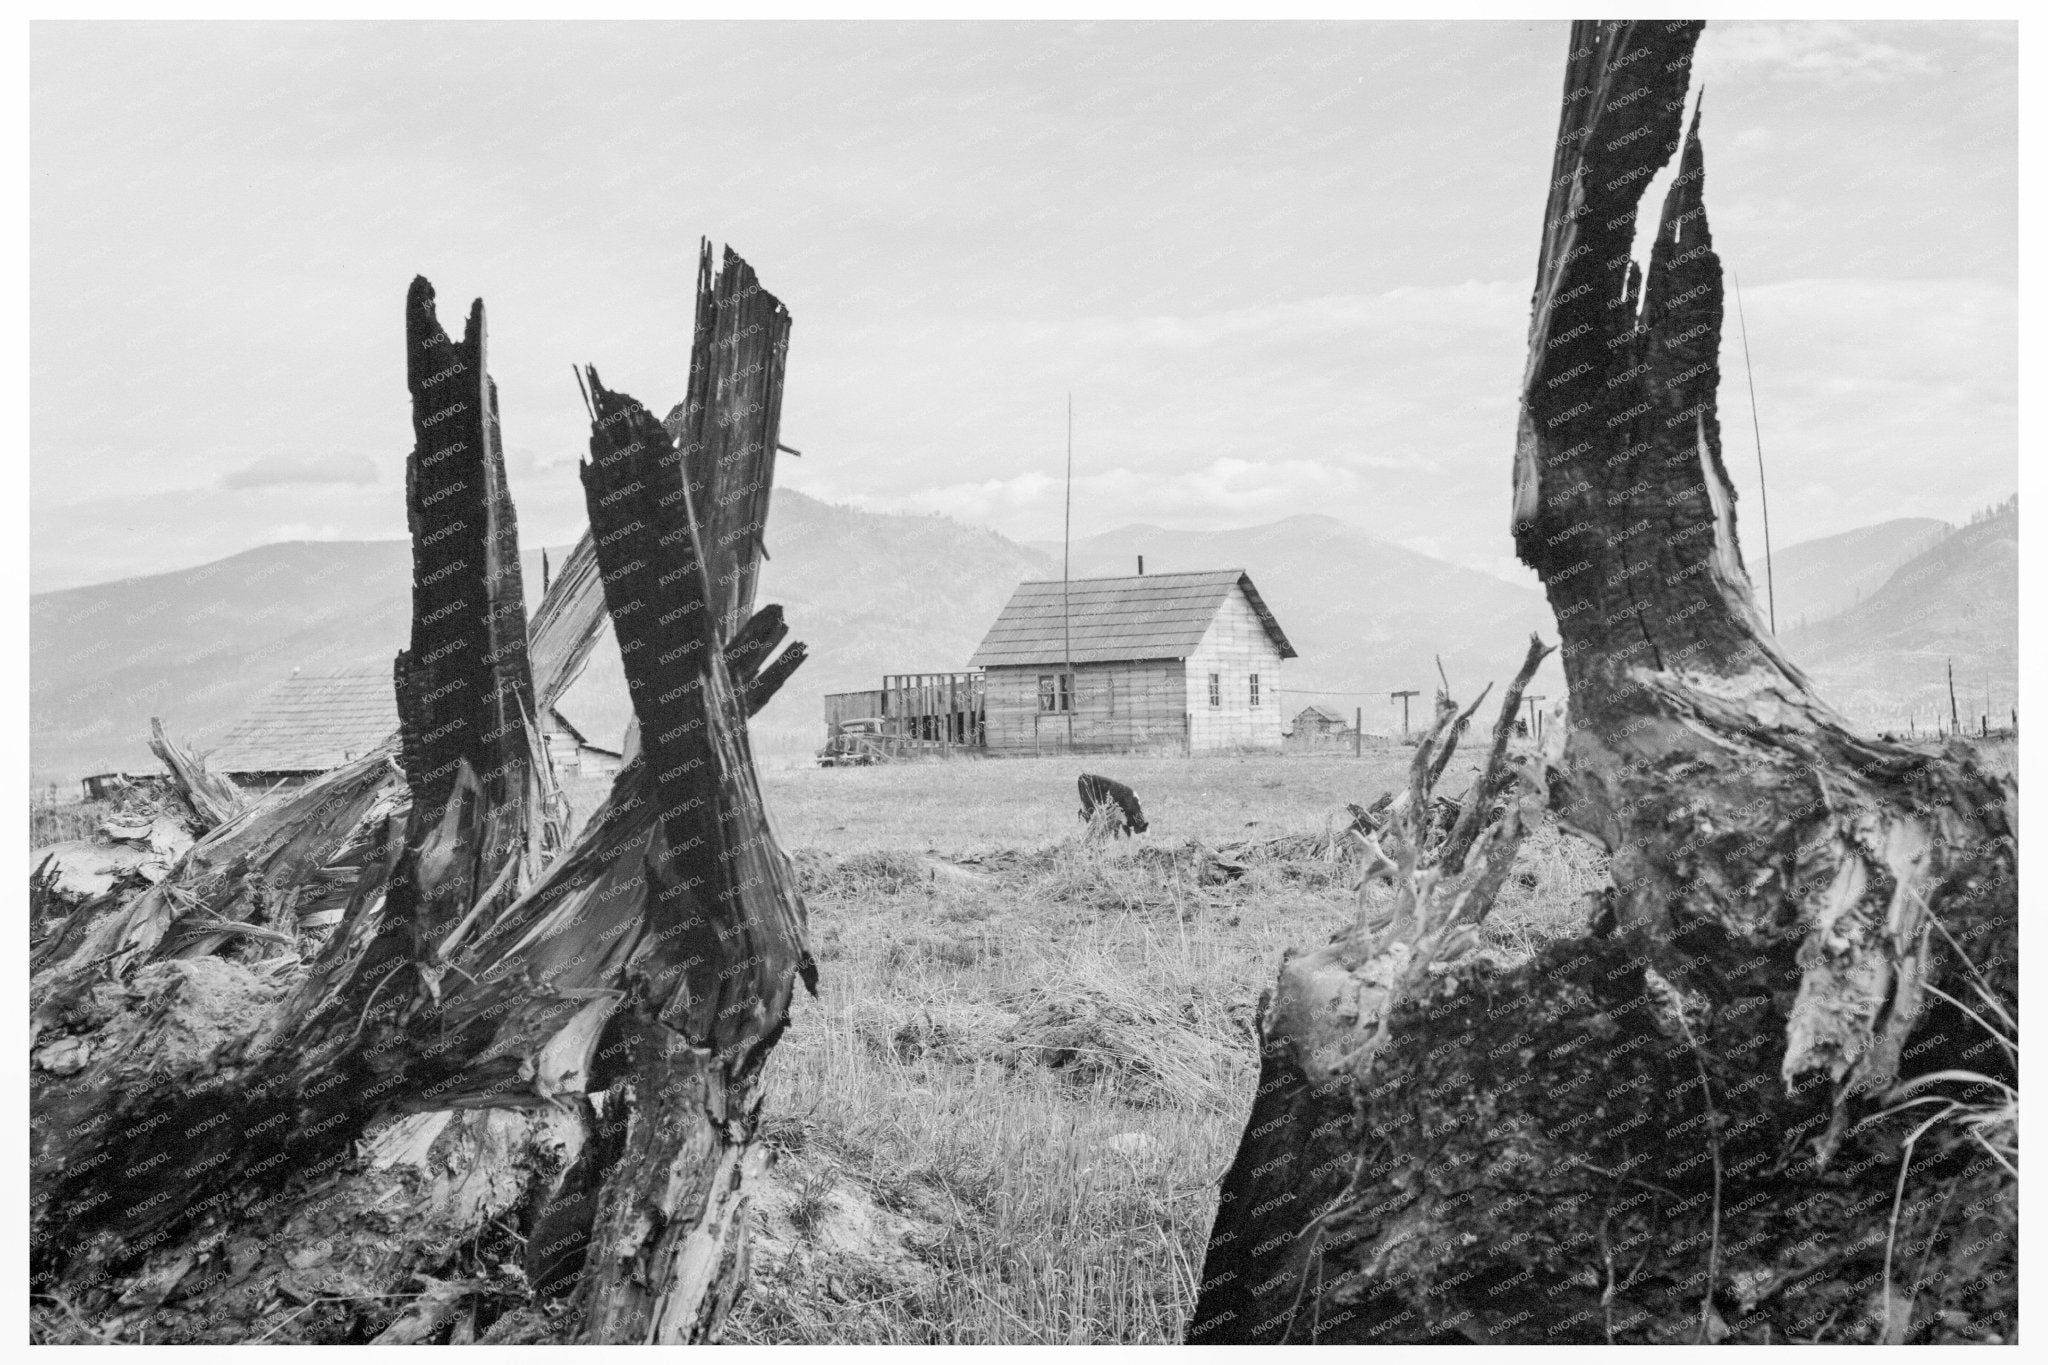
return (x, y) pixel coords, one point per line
(1763, 494)
(1324, 691)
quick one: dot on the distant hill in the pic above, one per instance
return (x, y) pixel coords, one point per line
(1884, 660)
(873, 593)
(876, 593)
(1817, 579)
(199, 645)
(869, 593)
(1367, 617)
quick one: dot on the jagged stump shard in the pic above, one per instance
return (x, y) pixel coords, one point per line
(1674, 1127)
(488, 989)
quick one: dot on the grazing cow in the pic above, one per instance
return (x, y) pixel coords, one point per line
(1125, 815)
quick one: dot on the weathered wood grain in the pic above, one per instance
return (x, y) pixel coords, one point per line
(1793, 907)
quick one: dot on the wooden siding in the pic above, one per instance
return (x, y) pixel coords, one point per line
(1135, 704)
(1235, 646)
(1156, 702)
(572, 758)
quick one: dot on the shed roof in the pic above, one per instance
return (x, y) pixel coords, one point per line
(1149, 616)
(1321, 712)
(311, 722)
(596, 705)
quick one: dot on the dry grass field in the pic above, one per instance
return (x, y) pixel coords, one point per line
(1005, 1116)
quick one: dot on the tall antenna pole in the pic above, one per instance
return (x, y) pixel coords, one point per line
(1770, 581)
(1069, 684)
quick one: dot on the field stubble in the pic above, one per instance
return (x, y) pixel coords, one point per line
(1006, 1115)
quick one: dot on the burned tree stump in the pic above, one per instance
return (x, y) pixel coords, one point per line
(721, 918)
(1696, 1122)
(471, 841)
(487, 996)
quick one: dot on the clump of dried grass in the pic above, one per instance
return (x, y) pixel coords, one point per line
(1148, 1041)
(1092, 873)
(938, 1028)
(870, 872)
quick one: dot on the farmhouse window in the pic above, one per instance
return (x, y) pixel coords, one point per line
(1255, 689)
(1215, 689)
(1055, 692)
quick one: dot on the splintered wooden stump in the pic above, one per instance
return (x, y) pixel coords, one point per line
(723, 921)
(1706, 1119)
(568, 1039)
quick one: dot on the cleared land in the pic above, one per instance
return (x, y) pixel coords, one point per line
(1005, 1117)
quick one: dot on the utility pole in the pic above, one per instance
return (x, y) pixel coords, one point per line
(1069, 685)
(1403, 697)
(1358, 732)
(1955, 724)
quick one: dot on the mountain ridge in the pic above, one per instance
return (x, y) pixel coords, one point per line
(1885, 661)
(873, 593)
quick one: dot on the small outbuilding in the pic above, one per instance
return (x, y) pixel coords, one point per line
(1183, 662)
(586, 728)
(306, 725)
(1318, 727)
(311, 723)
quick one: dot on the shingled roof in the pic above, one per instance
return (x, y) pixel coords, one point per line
(311, 722)
(1150, 616)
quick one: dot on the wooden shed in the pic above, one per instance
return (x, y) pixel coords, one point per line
(1188, 662)
(307, 724)
(586, 728)
(1318, 727)
(313, 722)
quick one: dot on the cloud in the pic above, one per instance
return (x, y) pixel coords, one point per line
(1213, 415)
(1807, 51)
(1876, 398)
(305, 530)
(526, 462)
(1223, 492)
(117, 535)
(1394, 412)
(291, 468)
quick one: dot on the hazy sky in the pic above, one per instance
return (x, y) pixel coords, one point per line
(1282, 268)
